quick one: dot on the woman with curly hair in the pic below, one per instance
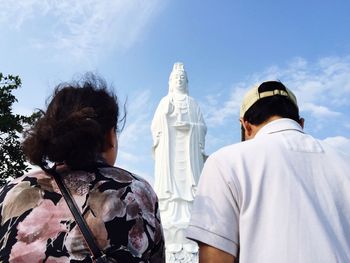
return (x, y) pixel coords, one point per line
(77, 134)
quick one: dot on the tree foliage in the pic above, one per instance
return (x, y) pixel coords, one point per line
(12, 159)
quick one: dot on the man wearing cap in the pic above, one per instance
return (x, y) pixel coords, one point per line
(280, 196)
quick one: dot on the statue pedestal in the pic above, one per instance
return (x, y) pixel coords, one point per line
(178, 248)
(182, 256)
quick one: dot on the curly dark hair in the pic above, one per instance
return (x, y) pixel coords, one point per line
(73, 128)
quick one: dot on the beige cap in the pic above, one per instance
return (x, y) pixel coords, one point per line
(254, 95)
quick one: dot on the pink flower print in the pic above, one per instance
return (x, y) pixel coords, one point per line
(107, 205)
(98, 230)
(43, 222)
(57, 260)
(138, 241)
(132, 207)
(38, 174)
(40, 225)
(20, 199)
(75, 244)
(33, 252)
(117, 174)
(146, 199)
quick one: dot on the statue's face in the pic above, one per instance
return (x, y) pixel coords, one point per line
(179, 81)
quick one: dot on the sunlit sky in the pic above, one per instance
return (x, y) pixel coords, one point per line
(226, 46)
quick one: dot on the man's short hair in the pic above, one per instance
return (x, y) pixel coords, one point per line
(271, 98)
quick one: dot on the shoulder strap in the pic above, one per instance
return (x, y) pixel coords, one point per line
(79, 219)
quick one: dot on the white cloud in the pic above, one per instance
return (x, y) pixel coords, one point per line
(217, 114)
(127, 156)
(80, 27)
(320, 111)
(139, 112)
(17, 109)
(15, 13)
(339, 142)
(326, 81)
(135, 141)
(149, 178)
(322, 88)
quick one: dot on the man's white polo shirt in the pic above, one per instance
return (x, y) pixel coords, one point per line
(280, 197)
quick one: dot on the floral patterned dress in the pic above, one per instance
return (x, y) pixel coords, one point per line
(120, 208)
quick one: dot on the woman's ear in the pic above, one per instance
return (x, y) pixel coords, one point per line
(110, 139)
(110, 147)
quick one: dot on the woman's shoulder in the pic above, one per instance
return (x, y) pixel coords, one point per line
(31, 179)
(120, 175)
(125, 178)
(132, 205)
(23, 194)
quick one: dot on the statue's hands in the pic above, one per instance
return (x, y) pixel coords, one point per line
(181, 125)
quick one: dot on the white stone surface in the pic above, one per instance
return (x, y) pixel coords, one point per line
(178, 132)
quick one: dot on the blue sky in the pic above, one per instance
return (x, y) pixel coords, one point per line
(226, 46)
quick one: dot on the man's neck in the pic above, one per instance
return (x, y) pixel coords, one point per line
(256, 128)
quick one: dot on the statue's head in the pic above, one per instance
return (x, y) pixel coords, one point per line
(178, 81)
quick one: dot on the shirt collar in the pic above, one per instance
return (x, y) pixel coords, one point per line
(278, 126)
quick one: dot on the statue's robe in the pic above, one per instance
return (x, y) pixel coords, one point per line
(176, 188)
(165, 185)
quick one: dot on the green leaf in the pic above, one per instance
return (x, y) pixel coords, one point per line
(12, 160)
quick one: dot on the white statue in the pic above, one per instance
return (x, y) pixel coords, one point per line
(178, 132)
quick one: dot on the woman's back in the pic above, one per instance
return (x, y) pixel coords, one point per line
(120, 208)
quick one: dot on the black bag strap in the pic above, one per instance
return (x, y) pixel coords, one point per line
(97, 254)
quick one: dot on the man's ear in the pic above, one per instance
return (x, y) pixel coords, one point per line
(247, 128)
(301, 122)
